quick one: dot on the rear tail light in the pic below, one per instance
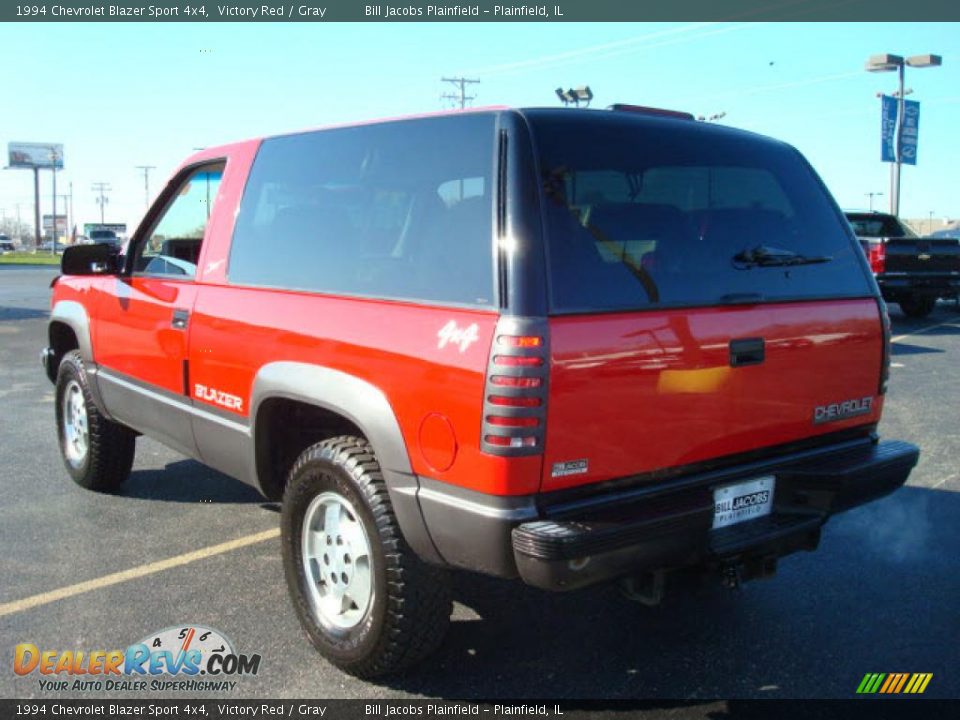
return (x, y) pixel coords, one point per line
(511, 361)
(514, 408)
(877, 257)
(509, 421)
(520, 341)
(506, 401)
(515, 382)
(501, 441)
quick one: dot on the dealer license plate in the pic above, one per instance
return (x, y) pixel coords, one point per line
(742, 501)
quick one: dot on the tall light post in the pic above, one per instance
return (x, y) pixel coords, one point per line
(930, 222)
(871, 195)
(889, 63)
(53, 167)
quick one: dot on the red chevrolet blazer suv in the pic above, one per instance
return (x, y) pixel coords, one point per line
(569, 346)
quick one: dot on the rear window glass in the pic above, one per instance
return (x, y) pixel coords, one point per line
(399, 210)
(878, 226)
(647, 212)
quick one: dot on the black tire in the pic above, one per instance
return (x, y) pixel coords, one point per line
(110, 447)
(409, 612)
(917, 306)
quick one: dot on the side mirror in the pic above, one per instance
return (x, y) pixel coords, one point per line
(100, 259)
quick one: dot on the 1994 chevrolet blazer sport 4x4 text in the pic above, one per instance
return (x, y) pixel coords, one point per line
(566, 345)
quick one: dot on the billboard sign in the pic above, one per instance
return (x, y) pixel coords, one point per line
(910, 132)
(35, 155)
(61, 223)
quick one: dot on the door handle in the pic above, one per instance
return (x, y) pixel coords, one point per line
(748, 351)
(180, 318)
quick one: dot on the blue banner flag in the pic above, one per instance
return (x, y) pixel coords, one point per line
(910, 132)
(888, 128)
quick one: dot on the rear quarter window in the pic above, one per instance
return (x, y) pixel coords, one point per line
(400, 210)
(645, 212)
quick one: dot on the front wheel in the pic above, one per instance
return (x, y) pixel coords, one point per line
(917, 306)
(363, 597)
(97, 452)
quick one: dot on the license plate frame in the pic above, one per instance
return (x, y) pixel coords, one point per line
(743, 500)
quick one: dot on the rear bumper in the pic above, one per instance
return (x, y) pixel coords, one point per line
(934, 285)
(665, 527)
(566, 544)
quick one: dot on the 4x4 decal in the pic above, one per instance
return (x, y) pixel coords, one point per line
(463, 337)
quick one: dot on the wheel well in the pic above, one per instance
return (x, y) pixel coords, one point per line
(62, 340)
(284, 429)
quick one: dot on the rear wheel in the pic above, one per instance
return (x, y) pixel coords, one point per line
(365, 600)
(917, 306)
(97, 453)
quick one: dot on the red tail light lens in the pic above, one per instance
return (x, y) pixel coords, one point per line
(504, 421)
(520, 341)
(516, 361)
(877, 257)
(516, 382)
(504, 401)
(503, 441)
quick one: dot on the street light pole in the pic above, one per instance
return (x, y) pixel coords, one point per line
(871, 196)
(36, 207)
(53, 157)
(887, 63)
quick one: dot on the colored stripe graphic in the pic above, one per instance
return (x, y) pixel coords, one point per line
(894, 683)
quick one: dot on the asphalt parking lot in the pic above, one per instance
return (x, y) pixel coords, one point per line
(878, 596)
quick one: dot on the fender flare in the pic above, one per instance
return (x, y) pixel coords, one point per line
(367, 407)
(74, 315)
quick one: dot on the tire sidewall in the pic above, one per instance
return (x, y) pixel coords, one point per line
(342, 645)
(70, 371)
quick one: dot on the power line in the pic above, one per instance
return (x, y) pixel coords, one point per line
(102, 188)
(461, 96)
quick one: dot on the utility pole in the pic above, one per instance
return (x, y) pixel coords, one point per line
(53, 157)
(460, 96)
(146, 182)
(102, 188)
(36, 207)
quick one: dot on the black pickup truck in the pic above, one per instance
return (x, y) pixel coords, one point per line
(910, 270)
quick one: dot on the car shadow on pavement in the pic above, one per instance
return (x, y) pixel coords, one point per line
(899, 348)
(19, 313)
(188, 481)
(812, 631)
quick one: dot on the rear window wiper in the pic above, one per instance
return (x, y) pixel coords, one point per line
(765, 256)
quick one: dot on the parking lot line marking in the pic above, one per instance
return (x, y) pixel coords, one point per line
(898, 338)
(941, 482)
(135, 572)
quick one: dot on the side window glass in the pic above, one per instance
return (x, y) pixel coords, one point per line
(172, 247)
(400, 210)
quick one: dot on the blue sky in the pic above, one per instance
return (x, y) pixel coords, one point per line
(119, 95)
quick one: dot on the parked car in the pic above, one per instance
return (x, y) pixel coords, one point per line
(569, 346)
(912, 271)
(104, 236)
(6, 244)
